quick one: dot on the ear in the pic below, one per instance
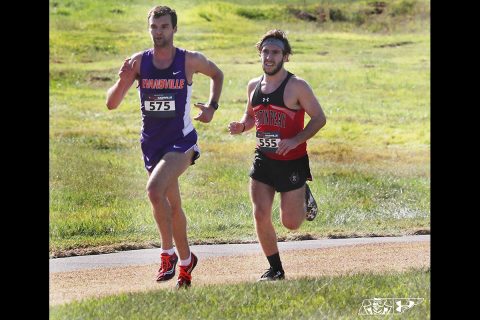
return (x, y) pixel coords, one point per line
(175, 29)
(285, 58)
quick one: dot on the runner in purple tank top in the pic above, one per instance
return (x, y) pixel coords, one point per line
(164, 76)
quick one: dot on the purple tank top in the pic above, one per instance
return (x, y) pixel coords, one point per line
(165, 100)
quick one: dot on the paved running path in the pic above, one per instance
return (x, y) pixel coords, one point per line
(149, 256)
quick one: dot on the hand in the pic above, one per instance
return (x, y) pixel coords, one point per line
(206, 113)
(285, 145)
(127, 71)
(236, 127)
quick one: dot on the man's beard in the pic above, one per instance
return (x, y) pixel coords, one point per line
(160, 43)
(274, 71)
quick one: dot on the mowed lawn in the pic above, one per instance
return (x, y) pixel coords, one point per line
(340, 297)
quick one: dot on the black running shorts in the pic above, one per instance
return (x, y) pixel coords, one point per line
(282, 175)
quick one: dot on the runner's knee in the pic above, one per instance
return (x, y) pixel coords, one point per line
(291, 221)
(156, 192)
(262, 215)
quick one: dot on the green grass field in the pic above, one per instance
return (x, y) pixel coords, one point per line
(309, 298)
(370, 163)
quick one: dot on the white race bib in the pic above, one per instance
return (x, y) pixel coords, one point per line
(268, 141)
(160, 105)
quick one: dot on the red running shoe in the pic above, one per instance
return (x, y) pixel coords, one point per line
(167, 267)
(185, 276)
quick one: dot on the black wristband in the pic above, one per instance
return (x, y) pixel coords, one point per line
(243, 126)
(214, 105)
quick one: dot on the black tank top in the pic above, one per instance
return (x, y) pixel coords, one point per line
(275, 98)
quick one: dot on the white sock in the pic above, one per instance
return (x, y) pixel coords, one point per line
(169, 251)
(186, 262)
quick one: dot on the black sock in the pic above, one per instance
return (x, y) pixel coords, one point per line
(275, 262)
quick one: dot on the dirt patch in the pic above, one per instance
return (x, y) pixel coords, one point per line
(76, 285)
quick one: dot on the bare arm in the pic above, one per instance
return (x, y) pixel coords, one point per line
(197, 62)
(127, 75)
(248, 120)
(308, 101)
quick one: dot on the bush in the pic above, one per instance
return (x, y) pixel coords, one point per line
(253, 14)
(337, 15)
(403, 8)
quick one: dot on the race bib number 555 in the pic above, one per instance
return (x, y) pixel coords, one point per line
(160, 105)
(268, 141)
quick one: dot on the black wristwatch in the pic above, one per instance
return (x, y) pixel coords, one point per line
(214, 105)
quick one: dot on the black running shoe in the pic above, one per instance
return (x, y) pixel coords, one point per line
(185, 276)
(311, 204)
(272, 275)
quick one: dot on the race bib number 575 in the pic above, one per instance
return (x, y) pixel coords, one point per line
(268, 141)
(160, 105)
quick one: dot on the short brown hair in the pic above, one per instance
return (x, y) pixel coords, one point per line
(277, 34)
(160, 11)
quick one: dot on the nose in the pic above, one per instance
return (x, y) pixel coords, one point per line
(267, 57)
(156, 31)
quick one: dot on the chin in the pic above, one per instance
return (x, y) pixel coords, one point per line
(271, 73)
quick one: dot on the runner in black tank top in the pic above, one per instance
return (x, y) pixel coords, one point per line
(281, 162)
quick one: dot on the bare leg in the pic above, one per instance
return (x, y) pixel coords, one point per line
(163, 177)
(292, 208)
(179, 221)
(262, 196)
